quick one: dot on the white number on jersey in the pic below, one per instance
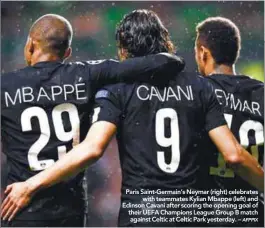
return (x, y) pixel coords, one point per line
(45, 131)
(96, 113)
(163, 141)
(248, 125)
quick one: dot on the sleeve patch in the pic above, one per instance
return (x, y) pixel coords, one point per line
(102, 94)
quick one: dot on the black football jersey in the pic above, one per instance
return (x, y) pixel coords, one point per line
(162, 129)
(242, 99)
(45, 110)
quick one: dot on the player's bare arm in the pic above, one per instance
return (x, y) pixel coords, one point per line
(89, 151)
(241, 161)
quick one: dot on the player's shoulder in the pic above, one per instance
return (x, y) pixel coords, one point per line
(91, 63)
(14, 73)
(236, 82)
(194, 79)
(90, 66)
(118, 89)
(249, 79)
(120, 92)
(253, 84)
(240, 85)
(191, 76)
(9, 79)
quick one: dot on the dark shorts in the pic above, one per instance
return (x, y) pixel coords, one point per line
(72, 221)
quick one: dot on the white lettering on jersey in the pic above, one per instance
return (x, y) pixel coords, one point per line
(56, 91)
(229, 100)
(42, 93)
(79, 90)
(180, 93)
(28, 94)
(13, 101)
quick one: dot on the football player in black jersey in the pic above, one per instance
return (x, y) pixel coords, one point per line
(45, 109)
(161, 129)
(217, 49)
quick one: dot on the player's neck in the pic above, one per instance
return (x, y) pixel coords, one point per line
(224, 69)
(42, 57)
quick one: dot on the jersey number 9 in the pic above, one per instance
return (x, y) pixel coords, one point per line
(164, 141)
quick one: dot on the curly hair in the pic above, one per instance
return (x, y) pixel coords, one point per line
(141, 32)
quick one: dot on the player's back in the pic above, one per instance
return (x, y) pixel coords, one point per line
(162, 135)
(162, 130)
(242, 99)
(42, 107)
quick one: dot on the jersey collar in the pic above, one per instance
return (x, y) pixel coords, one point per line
(46, 64)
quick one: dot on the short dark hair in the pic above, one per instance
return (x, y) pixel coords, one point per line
(222, 37)
(141, 32)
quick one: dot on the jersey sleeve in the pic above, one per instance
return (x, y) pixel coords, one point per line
(107, 107)
(103, 72)
(214, 116)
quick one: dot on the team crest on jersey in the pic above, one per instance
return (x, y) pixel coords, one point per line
(102, 94)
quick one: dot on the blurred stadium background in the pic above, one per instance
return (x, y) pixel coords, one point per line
(94, 28)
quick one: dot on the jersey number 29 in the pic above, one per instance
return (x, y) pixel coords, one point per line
(45, 131)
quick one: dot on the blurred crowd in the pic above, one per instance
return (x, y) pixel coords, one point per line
(94, 38)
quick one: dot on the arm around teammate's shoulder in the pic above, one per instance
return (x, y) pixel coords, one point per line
(135, 69)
